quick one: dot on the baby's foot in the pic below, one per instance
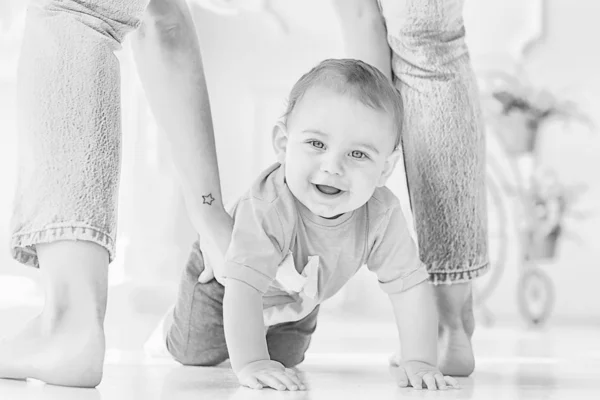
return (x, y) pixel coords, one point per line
(69, 354)
(457, 323)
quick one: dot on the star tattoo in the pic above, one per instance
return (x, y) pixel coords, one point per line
(208, 199)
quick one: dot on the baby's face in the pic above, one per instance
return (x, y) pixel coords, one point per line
(338, 151)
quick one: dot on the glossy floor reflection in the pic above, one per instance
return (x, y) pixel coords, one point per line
(347, 360)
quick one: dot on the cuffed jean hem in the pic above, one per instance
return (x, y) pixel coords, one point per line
(454, 276)
(23, 243)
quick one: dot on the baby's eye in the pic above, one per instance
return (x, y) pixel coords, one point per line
(358, 154)
(317, 144)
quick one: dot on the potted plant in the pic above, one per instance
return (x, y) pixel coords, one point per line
(515, 110)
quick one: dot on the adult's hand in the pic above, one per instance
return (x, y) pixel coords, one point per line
(215, 235)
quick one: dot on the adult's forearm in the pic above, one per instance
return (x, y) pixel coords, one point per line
(169, 63)
(244, 324)
(364, 33)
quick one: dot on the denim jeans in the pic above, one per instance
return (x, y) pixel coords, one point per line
(196, 335)
(69, 100)
(70, 132)
(443, 136)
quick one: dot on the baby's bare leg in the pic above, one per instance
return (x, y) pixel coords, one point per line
(64, 220)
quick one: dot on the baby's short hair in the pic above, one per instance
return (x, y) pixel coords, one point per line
(355, 78)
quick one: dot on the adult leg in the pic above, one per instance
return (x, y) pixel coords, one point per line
(64, 219)
(444, 153)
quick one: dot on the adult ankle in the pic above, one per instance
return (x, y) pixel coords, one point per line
(75, 281)
(451, 301)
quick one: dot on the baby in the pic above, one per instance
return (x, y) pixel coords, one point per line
(303, 229)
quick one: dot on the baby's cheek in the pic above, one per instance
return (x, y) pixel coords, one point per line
(365, 185)
(370, 177)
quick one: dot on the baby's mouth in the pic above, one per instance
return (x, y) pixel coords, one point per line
(330, 190)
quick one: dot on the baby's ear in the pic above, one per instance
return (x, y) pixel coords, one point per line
(390, 165)
(280, 141)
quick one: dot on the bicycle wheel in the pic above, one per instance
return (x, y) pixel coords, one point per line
(535, 295)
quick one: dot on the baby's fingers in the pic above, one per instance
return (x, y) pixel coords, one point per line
(416, 381)
(251, 382)
(270, 381)
(287, 380)
(294, 377)
(400, 376)
(267, 379)
(452, 382)
(430, 382)
(441, 382)
(276, 380)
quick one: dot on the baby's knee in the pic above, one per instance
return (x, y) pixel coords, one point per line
(288, 356)
(198, 357)
(208, 358)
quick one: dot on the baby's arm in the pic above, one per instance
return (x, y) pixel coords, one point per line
(417, 320)
(395, 260)
(246, 342)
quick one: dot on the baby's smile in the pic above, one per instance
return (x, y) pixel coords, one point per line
(328, 190)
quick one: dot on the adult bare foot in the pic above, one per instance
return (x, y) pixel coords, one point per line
(456, 326)
(65, 344)
(71, 353)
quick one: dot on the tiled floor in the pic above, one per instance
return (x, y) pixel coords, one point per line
(347, 360)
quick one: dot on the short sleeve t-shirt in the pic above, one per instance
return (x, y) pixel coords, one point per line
(297, 259)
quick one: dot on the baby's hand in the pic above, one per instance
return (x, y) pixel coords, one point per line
(415, 373)
(269, 373)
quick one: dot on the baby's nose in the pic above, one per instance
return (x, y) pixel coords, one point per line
(332, 165)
